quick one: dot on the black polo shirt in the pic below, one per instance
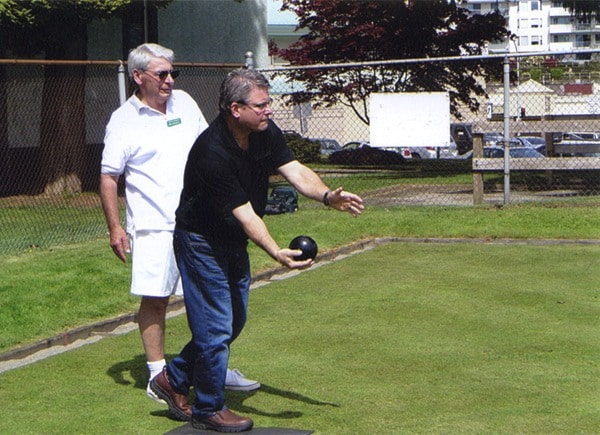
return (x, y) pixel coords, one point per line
(219, 177)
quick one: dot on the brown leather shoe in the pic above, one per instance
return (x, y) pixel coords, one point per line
(179, 407)
(224, 421)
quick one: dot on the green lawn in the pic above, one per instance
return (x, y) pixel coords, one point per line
(46, 291)
(402, 338)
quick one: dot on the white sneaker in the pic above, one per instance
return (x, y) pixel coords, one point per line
(236, 381)
(151, 394)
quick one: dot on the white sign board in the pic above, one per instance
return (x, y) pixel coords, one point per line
(410, 119)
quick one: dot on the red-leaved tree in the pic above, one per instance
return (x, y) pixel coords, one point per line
(341, 31)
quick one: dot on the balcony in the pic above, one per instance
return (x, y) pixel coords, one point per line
(560, 46)
(559, 12)
(554, 29)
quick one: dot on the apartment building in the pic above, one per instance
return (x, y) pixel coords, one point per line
(542, 26)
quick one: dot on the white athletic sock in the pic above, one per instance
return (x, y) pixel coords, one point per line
(155, 367)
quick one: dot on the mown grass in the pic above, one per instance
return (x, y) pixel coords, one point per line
(45, 291)
(403, 338)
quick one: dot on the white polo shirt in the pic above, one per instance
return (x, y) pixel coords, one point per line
(151, 149)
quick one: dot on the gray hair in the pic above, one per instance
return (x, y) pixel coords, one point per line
(140, 57)
(238, 85)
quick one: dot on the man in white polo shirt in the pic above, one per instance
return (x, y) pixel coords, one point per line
(148, 139)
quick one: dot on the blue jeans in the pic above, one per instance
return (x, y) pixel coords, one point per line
(216, 283)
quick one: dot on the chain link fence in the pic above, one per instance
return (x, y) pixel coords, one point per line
(53, 116)
(542, 112)
(52, 121)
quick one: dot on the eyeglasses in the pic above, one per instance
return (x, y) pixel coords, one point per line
(162, 75)
(258, 107)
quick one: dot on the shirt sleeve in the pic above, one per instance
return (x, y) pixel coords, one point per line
(114, 156)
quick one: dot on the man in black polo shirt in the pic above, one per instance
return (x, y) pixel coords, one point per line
(224, 197)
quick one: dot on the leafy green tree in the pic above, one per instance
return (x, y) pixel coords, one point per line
(342, 31)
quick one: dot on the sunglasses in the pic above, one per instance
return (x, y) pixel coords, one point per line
(162, 75)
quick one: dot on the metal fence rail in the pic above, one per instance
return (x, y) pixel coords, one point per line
(53, 115)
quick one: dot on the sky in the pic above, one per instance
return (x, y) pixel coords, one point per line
(275, 16)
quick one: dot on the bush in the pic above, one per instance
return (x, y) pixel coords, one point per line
(535, 74)
(557, 73)
(305, 150)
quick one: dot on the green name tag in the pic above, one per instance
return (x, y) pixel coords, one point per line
(172, 122)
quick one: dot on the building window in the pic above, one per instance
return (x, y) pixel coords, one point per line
(535, 5)
(523, 23)
(535, 23)
(560, 38)
(536, 40)
(582, 41)
(523, 40)
(560, 20)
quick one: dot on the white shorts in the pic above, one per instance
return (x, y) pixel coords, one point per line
(154, 270)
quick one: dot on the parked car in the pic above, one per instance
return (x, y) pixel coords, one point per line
(444, 152)
(581, 135)
(361, 153)
(535, 142)
(403, 151)
(578, 144)
(462, 134)
(515, 152)
(328, 145)
(492, 139)
(355, 144)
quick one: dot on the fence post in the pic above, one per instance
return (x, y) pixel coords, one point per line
(506, 131)
(477, 175)
(249, 64)
(121, 80)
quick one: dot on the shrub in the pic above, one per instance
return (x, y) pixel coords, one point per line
(557, 73)
(305, 150)
(536, 74)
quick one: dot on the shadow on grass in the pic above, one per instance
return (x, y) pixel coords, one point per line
(235, 401)
(136, 368)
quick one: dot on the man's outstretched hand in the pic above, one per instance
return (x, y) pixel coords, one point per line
(346, 201)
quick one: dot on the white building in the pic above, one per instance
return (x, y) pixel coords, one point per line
(542, 25)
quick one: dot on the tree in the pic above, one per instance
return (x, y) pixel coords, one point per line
(342, 31)
(58, 31)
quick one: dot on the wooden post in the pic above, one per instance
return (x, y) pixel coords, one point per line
(477, 175)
